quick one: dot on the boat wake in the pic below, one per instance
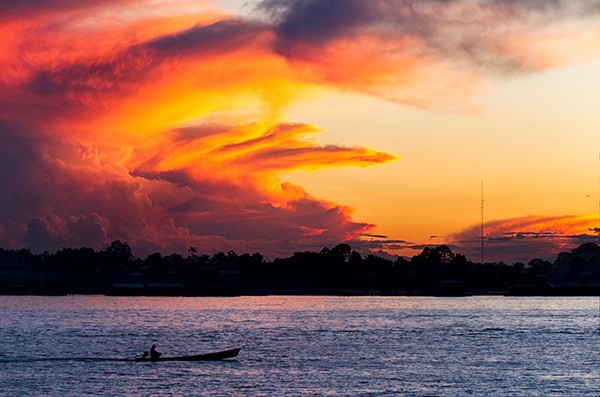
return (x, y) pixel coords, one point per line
(54, 359)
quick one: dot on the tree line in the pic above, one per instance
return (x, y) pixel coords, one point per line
(340, 269)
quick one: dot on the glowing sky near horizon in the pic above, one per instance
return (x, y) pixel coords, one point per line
(281, 125)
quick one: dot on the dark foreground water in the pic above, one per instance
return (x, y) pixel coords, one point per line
(293, 346)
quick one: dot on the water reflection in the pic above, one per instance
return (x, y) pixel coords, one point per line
(295, 345)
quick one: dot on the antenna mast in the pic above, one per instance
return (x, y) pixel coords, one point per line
(481, 221)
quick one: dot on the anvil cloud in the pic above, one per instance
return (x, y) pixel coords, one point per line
(162, 123)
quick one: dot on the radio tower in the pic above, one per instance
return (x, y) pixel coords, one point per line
(482, 222)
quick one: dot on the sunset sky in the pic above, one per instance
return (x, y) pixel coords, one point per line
(289, 125)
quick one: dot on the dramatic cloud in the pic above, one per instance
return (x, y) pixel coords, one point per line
(142, 141)
(523, 239)
(159, 123)
(432, 49)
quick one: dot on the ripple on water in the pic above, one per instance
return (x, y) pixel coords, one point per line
(338, 346)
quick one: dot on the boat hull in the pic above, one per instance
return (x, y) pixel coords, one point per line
(215, 356)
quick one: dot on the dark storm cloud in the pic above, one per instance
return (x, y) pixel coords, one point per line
(93, 77)
(465, 31)
(222, 36)
(319, 21)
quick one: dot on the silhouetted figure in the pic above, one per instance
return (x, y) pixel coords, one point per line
(145, 355)
(153, 353)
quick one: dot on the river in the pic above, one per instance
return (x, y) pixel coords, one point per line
(301, 346)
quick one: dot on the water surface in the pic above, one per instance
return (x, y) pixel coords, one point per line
(320, 346)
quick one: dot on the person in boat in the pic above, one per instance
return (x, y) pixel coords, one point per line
(153, 353)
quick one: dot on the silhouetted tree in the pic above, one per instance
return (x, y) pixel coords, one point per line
(73, 257)
(341, 252)
(355, 259)
(218, 259)
(377, 264)
(538, 267)
(21, 256)
(117, 252)
(153, 260)
(173, 262)
(433, 270)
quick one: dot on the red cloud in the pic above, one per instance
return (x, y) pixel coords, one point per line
(94, 149)
(164, 129)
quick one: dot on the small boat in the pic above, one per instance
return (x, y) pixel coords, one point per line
(215, 356)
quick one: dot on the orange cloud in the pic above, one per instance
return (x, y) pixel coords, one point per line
(523, 239)
(160, 123)
(165, 138)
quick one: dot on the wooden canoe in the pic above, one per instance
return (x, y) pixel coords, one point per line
(215, 356)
